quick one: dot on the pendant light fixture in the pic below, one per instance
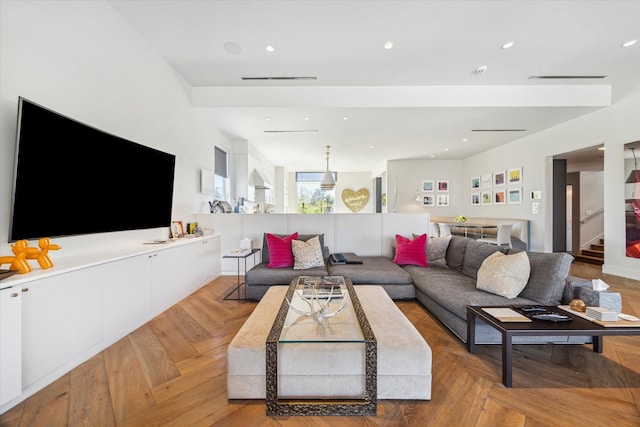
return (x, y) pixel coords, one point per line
(328, 183)
(634, 176)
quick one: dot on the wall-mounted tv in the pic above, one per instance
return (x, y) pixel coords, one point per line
(72, 179)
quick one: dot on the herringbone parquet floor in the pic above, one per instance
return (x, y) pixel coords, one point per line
(172, 372)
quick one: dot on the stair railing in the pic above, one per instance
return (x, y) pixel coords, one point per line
(593, 215)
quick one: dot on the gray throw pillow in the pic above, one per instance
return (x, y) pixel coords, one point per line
(548, 274)
(437, 251)
(475, 254)
(455, 252)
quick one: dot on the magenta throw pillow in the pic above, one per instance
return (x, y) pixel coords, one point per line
(411, 252)
(280, 252)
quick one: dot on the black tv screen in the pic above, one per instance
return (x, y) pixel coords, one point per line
(72, 179)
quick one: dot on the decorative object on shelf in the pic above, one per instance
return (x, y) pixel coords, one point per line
(176, 230)
(328, 183)
(319, 300)
(18, 261)
(355, 200)
(220, 206)
(461, 219)
(43, 256)
(578, 305)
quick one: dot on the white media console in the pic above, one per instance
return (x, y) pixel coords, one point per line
(53, 320)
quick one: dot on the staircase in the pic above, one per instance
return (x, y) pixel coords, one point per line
(593, 255)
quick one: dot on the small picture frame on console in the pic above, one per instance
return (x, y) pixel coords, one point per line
(176, 229)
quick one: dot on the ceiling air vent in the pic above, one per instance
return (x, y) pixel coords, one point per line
(498, 130)
(280, 78)
(565, 77)
(290, 131)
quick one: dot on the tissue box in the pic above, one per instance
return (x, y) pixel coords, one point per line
(593, 298)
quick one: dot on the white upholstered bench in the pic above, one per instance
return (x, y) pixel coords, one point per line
(404, 357)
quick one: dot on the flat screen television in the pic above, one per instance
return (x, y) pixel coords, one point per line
(72, 179)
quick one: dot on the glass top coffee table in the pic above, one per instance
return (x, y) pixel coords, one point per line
(300, 323)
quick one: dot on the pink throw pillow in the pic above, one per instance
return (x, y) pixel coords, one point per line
(411, 252)
(280, 252)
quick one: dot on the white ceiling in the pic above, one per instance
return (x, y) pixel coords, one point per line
(418, 100)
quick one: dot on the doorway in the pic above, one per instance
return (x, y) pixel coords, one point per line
(568, 212)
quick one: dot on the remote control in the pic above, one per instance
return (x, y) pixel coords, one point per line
(533, 308)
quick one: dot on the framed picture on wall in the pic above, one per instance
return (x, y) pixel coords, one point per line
(428, 200)
(514, 176)
(427, 185)
(487, 197)
(514, 196)
(500, 197)
(443, 185)
(499, 179)
(475, 199)
(475, 183)
(442, 200)
(487, 180)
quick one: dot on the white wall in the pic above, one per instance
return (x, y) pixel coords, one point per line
(81, 59)
(615, 126)
(404, 177)
(591, 200)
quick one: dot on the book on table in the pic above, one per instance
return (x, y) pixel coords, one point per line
(505, 314)
(322, 287)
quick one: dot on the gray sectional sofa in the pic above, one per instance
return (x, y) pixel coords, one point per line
(445, 291)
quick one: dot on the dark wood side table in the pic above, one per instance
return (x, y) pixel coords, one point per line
(239, 256)
(576, 327)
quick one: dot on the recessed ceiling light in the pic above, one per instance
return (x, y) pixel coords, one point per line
(446, 149)
(433, 156)
(307, 118)
(507, 45)
(629, 43)
(267, 118)
(480, 69)
(345, 118)
(372, 146)
(269, 48)
(465, 140)
(388, 46)
(233, 48)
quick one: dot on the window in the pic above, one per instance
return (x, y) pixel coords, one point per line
(311, 198)
(221, 175)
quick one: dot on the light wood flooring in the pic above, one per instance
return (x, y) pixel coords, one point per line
(172, 372)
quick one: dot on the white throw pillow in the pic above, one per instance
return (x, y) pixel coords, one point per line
(504, 275)
(307, 254)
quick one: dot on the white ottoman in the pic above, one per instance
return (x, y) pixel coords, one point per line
(404, 357)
